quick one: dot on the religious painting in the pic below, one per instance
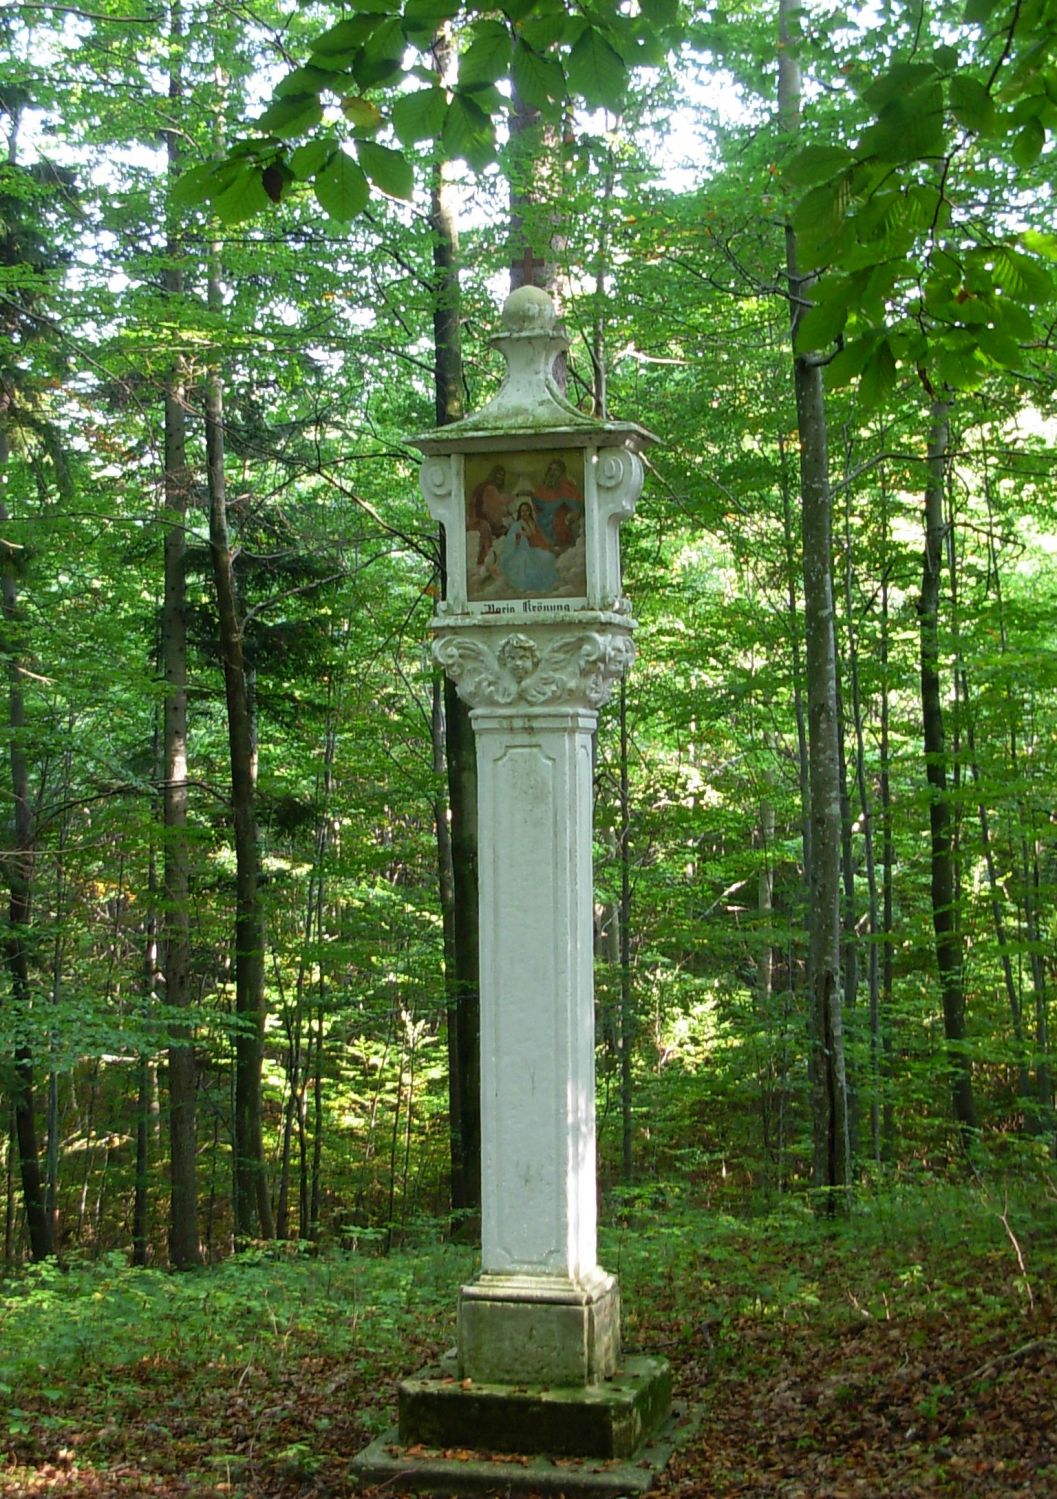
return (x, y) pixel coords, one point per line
(525, 526)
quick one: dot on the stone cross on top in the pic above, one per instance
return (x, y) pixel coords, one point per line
(528, 266)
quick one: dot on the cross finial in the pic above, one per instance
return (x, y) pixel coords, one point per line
(529, 265)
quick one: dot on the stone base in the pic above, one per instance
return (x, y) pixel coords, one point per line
(423, 1470)
(528, 1329)
(608, 1420)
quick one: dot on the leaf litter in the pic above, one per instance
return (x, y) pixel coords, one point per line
(824, 1362)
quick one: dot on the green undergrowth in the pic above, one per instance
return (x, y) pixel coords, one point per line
(919, 1243)
(900, 1250)
(267, 1372)
(98, 1316)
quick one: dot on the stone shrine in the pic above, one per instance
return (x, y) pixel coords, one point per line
(535, 632)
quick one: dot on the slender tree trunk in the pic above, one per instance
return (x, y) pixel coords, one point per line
(795, 651)
(293, 1026)
(447, 296)
(20, 857)
(1029, 861)
(464, 994)
(995, 896)
(58, 963)
(832, 1164)
(849, 950)
(770, 1082)
(627, 994)
(536, 240)
(599, 355)
(19, 866)
(882, 1036)
(9, 1191)
(394, 1139)
(1036, 937)
(300, 1031)
(304, 1209)
(849, 942)
(315, 1195)
(949, 954)
(869, 859)
(253, 1213)
(141, 1202)
(1029, 874)
(454, 750)
(184, 1248)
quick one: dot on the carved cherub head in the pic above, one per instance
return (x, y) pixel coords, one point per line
(519, 655)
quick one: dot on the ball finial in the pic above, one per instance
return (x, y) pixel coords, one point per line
(529, 310)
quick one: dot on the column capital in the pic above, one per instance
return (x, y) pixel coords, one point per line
(541, 666)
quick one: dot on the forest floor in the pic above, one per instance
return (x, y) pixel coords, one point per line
(910, 1351)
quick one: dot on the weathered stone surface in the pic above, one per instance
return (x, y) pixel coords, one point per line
(510, 1332)
(607, 1420)
(537, 667)
(529, 399)
(425, 1470)
(538, 1192)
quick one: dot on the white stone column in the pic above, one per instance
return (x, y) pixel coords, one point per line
(539, 1360)
(542, 1309)
(537, 1032)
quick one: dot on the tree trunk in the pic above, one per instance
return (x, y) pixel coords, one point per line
(881, 1036)
(253, 1212)
(536, 241)
(770, 1082)
(464, 1054)
(58, 965)
(832, 1163)
(1040, 1117)
(627, 994)
(869, 858)
(315, 1191)
(599, 353)
(949, 955)
(454, 750)
(19, 865)
(141, 1202)
(9, 1193)
(184, 1248)
(796, 669)
(19, 860)
(849, 951)
(997, 917)
(293, 1027)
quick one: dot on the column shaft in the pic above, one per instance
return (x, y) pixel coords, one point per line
(537, 1011)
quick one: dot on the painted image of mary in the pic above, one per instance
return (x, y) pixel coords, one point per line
(524, 556)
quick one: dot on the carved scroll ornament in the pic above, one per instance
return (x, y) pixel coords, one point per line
(577, 669)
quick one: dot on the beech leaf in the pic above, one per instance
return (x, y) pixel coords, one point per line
(468, 132)
(387, 169)
(310, 158)
(362, 113)
(1028, 145)
(420, 115)
(341, 188)
(972, 106)
(291, 114)
(595, 70)
(878, 376)
(245, 196)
